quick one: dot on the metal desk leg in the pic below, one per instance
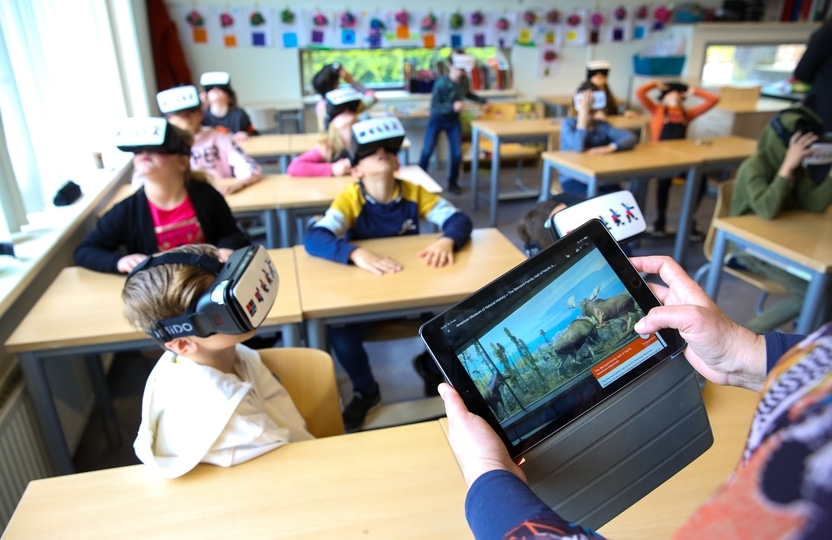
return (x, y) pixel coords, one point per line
(715, 270)
(46, 414)
(591, 187)
(475, 165)
(284, 222)
(686, 217)
(546, 183)
(316, 334)
(494, 196)
(103, 399)
(284, 164)
(813, 302)
(272, 232)
(291, 335)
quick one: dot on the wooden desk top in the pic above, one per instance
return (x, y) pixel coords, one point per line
(83, 307)
(268, 145)
(665, 509)
(563, 100)
(713, 149)
(547, 126)
(803, 237)
(398, 482)
(324, 294)
(640, 160)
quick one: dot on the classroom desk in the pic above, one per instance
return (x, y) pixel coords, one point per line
(263, 148)
(333, 293)
(799, 239)
(660, 159)
(660, 513)
(538, 130)
(559, 104)
(397, 482)
(81, 314)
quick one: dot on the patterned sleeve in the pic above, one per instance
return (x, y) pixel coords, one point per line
(244, 167)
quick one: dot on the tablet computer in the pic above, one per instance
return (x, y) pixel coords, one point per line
(547, 355)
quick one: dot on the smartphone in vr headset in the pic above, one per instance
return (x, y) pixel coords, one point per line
(599, 100)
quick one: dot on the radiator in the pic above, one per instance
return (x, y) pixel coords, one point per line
(22, 457)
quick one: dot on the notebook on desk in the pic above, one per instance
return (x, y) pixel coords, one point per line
(547, 355)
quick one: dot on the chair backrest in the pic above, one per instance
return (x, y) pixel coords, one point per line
(739, 96)
(309, 377)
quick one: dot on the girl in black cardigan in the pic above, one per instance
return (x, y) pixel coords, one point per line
(175, 206)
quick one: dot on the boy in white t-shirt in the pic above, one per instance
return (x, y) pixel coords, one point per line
(209, 399)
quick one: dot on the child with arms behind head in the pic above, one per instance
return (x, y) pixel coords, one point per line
(209, 399)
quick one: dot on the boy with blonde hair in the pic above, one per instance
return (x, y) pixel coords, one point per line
(209, 399)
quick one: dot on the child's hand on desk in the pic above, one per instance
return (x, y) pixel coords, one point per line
(601, 150)
(458, 106)
(374, 263)
(630, 114)
(439, 253)
(127, 263)
(240, 136)
(229, 186)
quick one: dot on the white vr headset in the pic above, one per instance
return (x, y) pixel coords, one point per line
(599, 100)
(214, 78)
(150, 135)
(236, 302)
(618, 211)
(341, 100)
(370, 135)
(821, 154)
(181, 98)
(464, 62)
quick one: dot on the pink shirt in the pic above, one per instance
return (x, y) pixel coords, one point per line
(310, 163)
(216, 154)
(177, 226)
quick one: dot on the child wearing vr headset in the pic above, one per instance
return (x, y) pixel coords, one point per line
(446, 102)
(222, 113)
(789, 171)
(331, 156)
(378, 206)
(328, 79)
(209, 399)
(669, 119)
(174, 206)
(597, 73)
(590, 132)
(212, 151)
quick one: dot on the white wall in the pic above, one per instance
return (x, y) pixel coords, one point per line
(271, 74)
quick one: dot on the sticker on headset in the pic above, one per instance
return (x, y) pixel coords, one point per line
(821, 154)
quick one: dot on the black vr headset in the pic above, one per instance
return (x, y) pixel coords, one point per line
(151, 135)
(806, 123)
(673, 87)
(236, 302)
(370, 135)
(341, 100)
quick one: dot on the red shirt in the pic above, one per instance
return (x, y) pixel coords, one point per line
(177, 226)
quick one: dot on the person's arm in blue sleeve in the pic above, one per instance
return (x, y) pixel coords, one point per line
(321, 242)
(458, 228)
(572, 139)
(621, 138)
(777, 345)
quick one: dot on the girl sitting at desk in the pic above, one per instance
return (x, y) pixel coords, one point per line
(212, 151)
(331, 156)
(175, 205)
(590, 132)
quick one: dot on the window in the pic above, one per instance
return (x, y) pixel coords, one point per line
(62, 91)
(750, 64)
(382, 69)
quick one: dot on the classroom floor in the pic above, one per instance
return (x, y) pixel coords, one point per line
(391, 360)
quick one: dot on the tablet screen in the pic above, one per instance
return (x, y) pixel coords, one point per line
(544, 343)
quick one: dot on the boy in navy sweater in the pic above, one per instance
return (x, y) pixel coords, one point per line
(378, 206)
(449, 91)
